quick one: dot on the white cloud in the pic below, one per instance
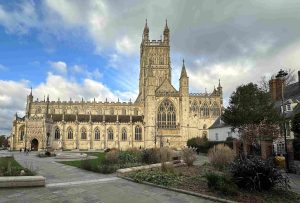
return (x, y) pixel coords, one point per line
(21, 19)
(126, 46)
(3, 68)
(59, 66)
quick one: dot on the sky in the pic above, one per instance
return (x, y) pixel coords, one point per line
(90, 49)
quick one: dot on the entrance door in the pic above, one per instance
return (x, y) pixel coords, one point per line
(34, 144)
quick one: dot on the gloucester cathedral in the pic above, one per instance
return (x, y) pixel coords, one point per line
(161, 115)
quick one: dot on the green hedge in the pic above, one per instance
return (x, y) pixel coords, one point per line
(203, 145)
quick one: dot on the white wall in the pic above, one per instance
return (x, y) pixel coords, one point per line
(220, 134)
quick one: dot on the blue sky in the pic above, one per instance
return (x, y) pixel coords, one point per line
(90, 49)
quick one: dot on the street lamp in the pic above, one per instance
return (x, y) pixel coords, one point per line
(281, 75)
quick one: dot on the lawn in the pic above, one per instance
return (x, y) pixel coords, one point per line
(10, 167)
(94, 162)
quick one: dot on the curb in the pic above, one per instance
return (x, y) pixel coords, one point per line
(182, 191)
(22, 181)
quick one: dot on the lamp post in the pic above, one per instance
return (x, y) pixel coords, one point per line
(281, 75)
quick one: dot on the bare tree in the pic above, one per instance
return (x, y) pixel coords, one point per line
(291, 77)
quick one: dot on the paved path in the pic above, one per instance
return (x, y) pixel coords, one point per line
(69, 184)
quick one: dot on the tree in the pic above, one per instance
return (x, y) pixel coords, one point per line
(3, 141)
(251, 111)
(296, 124)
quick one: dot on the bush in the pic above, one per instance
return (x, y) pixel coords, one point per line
(220, 155)
(254, 174)
(203, 145)
(150, 156)
(167, 167)
(87, 164)
(156, 177)
(112, 156)
(129, 157)
(107, 168)
(189, 156)
(166, 154)
(221, 183)
(47, 153)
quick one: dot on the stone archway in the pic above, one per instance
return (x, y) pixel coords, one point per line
(34, 144)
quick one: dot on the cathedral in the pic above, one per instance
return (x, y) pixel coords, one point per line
(161, 115)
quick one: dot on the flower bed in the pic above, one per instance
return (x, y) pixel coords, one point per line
(10, 167)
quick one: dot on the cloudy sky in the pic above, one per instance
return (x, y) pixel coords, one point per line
(90, 49)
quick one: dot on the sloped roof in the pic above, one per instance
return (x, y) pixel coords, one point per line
(218, 124)
(166, 86)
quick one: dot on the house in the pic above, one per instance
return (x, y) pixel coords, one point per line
(220, 131)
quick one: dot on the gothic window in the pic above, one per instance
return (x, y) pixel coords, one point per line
(83, 133)
(57, 134)
(52, 111)
(97, 134)
(138, 133)
(124, 134)
(204, 127)
(205, 110)
(215, 110)
(39, 110)
(111, 111)
(123, 111)
(195, 107)
(110, 134)
(22, 132)
(70, 134)
(204, 134)
(166, 116)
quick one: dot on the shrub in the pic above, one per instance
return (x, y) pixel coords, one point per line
(203, 145)
(107, 168)
(129, 157)
(221, 183)
(47, 153)
(112, 156)
(189, 156)
(166, 154)
(254, 174)
(220, 155)
(156, 177)
(87, 164)
(150, 156)
(167, 167)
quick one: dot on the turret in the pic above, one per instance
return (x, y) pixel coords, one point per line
(29, 101)
(183, 81)
(146, 33)
(220, 91)
(166, 33)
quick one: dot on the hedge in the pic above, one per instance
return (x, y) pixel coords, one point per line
(203, 145)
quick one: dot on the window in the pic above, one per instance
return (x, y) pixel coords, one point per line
(70, 134)
(217, 136)
(111, 111)
(204, 134)
(39, 110)
(83, 133)
(288, 107)
(123, 111)
(215, 110)
(124, 134)
(22, 133)
(229, 134)
(110, 134)
(166, 116)
(138, 133)
(136, 112)
(280, 148)
(205, 110)
(57, 134)
(204, 127)
(195, 107)
(97, 134)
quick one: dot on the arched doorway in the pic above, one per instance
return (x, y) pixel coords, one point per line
(34, 144)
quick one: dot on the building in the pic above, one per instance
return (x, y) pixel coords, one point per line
(220, 131)
(290, 107)
(161, 114)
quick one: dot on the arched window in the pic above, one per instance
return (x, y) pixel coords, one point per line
(138, 133)
(22, 133)
(97, 134)
(124, 134)
(166, 116)
(204, 127)
(57, 134)
(39, 110)
(205, 110)
(83, 133)
(215, 110)
(70, 134)
(110, 134)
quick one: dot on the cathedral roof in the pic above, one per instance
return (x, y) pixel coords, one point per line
(166, 86)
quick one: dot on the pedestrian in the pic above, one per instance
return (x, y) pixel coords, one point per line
(20, 150)
(25, 150)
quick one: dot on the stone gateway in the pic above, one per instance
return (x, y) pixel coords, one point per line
(160, 116)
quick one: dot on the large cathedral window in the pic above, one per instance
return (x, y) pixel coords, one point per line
(70, 134)
(124, 134)
(215, 110)
(138, 133)
(97, 134)
(205, 110)
(22, 132)
(83, 133)
(110, 134)
(166, 116)
(57, 134)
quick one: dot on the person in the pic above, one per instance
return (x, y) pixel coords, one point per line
(20, 150)
(25, 150)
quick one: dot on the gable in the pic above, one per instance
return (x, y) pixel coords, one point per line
(166, 86)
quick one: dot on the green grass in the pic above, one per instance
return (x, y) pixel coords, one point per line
(94, 162)
(10, 167)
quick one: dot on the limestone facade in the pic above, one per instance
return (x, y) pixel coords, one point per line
(160, 116)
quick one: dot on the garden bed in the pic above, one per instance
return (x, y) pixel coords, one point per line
(193, 179)
(10, 167)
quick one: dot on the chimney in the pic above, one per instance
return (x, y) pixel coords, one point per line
(276, 88)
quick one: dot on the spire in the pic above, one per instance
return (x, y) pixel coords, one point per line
(183, 71)
(30, 91)
(48, 97)
(166, 32)
(219, 83)
(166, 26)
